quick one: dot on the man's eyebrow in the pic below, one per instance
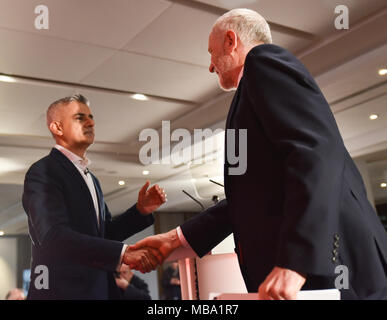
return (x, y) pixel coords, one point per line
(83, 115)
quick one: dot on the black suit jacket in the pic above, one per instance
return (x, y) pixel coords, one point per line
(301, 204)
(79, 256)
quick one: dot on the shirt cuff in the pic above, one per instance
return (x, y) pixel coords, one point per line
(182, 239)
(121, 257)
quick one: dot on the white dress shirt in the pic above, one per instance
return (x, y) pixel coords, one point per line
(82, 164)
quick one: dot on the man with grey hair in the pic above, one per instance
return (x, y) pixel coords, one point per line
(300, 212)
(74, 237)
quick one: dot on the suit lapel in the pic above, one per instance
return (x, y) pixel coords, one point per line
(230, 116)
(233, 107)
(79, 182)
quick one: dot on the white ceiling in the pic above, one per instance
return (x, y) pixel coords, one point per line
(109, 49)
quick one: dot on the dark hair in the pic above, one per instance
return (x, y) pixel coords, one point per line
(75, 97)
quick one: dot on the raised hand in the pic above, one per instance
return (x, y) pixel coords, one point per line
(144, 259)
(149, 200)
(164, 243)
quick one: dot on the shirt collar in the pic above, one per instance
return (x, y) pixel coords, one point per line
(240, 74)
(77, 160)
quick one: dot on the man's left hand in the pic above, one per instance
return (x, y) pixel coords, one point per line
(150, 199)
(281, 284)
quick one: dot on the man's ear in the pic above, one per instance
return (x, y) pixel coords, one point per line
(56, 128)
(231, 41)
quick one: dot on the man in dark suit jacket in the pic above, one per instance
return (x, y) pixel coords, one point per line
(74, 238)
(300, 210)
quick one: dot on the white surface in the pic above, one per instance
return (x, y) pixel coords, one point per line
(219, 273)
(226, 246)
(181, 253)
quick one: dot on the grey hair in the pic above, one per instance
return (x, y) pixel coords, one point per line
(52, 109)
(249, 25)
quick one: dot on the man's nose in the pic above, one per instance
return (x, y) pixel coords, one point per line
(90, 122)
(211, 68)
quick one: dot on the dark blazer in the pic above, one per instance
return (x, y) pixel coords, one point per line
(301, 204)
(80, 257)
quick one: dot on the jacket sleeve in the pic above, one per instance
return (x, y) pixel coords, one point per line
(44, 204)
(207, 229)
(126, 224)
(300, 125)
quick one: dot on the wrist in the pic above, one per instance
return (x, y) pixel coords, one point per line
(141, 209)
(174, 239)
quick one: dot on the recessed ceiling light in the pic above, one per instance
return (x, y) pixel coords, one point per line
(374, 116)
(383, 185)
(145, 172)
(193, 180)
(7, 79)
(121, 182)
(139, 96)
(1, 233)
(382, 72)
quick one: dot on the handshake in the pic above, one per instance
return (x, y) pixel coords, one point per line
(150, 252)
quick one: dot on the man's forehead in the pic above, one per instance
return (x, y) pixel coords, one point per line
(214, 35)
(211, 40)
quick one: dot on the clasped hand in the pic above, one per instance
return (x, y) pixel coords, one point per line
(148, 253)
(144, 260)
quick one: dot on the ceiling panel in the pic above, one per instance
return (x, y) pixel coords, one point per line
(138, 73)
(290, 42)
(41, 57)
(120, 119)
(355, 121)
(316, 17)
(105, 23)
(23, 107)
(171, 37)
(28, 97)
(17, 122)
(355, 75)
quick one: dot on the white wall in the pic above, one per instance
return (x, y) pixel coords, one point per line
(8, 265)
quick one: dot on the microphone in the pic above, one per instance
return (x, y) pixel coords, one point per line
(219, 184)
(86, 171)
(197, 201)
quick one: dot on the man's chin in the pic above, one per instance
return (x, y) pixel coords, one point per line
(89, 141)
